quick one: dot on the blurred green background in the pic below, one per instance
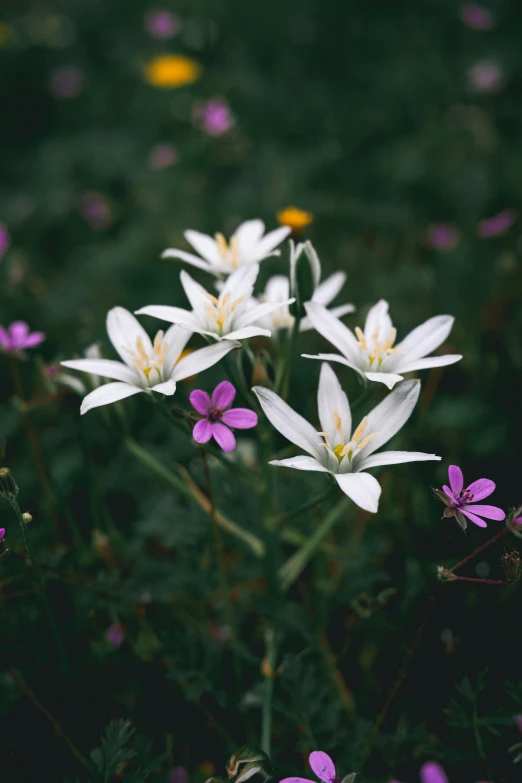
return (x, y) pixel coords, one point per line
(397, 124)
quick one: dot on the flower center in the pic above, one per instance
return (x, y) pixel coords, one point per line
(229, 252)
(356, 443)
(219, 310)
(151, 365)
(378, 346)
(215, 414)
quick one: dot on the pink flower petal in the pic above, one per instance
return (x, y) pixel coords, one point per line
(33, 339)
(18, 331)
(448, 491)
(203, 431)
(224, 437)
(296, 780)
(490, 512)
(5, 338)
(476, 520)
(433, 773)
(322, 765)
(241, 418)
(481, 488)
(200, 400)
(456, 479)
(223, 395)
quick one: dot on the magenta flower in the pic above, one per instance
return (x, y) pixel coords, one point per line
(115, 634)
(517, 719)
(2, 534)
(459, 501)
(214, 117)
(323, 767)
(161, 23)
(66, 82)
(162, 156)
(96, 210)
(486, 76)
(179, 775)
(442, 236)
(17, 337)
(498, 224)
(477, 17)
(217, 416)
(431, 772)
(5, 240)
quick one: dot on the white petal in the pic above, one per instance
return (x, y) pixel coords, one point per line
(109, 392)
(124, 331)
(260, 311)
(329, 288)
(277, 289)
(289, 423)
(204, 245)
(300, 463)
(388, 378)
(171, 252)
(334, 331)
(175, 315)
(270, 241)
(202, 359)
(333, 406)
(167, 387)
(248, 235)
(394, 458)
(104, 367)
(195, 293)
(376, 319)
(176, 338)
(426, 337)
(246, 332)
(335, 357)
(387, 418)
(362, 488)
(430, 361)
(241, 282)
(341, 310)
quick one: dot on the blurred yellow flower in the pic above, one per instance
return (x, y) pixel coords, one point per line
(172, 70)
(5, 33)
(296, 218)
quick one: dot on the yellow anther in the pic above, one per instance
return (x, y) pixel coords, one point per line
(210, 311)
(212, 298)
(157, 342)
(221, 245)
(366, 440)
(234, 252)
(361, 338)
(359, 432)
(142, 353)
(392, 334)
(236, 303)
(337, 421)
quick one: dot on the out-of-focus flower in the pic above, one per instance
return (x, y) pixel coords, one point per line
(442, 236)
(17, 337)
(6, 33)
(162, 156)
(161, 23)
(497, 225)
(96, 210)
(146, 366)
(477, 17)
(5, 240)
(462, 502)
(115, 634)
(248, 245)
(171, 71)
(2, 533)
(486, 76)
(294, 218)
(518, 722)
(179, 775)
(229, 317)
(431, 772)
(336, 449)
(214, 117)
(372, 353)
(323, 767)
(217, 416)
(67, 82)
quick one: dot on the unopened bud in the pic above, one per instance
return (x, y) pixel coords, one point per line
(27, 517)
(8, 486)
(247, 762)
(512, 563)
(305, 274)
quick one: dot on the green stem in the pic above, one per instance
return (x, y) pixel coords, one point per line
(283, 376)
(268, 692)
(281, 519)
(294, 566)
(253, 542)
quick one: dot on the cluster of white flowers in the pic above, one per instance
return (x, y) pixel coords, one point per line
(231, 313)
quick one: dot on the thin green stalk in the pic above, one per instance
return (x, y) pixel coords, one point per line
(284, 517)
(294, 566)
(268, 692)
(283, 378)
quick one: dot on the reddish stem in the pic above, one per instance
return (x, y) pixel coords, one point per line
(480, 581)
(480, 549)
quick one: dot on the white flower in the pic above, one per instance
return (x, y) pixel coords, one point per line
(231, 316)
(146, 366)
(337, 449)
(373, 353)
(246, 246)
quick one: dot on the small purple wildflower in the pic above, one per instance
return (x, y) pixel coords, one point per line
(477, 17)
(178, 775)
(66, 82)
(115, 634)
(161, 24)
(5, 240)
(442, 236)
(431, 772)
(162, 156)
(497, 225)
(518, 722)
(2, 535)
(486, 76)
(459, 501)
(214, 117)
(217, 416)
(95, 210)
(17, 337)
(322, 766)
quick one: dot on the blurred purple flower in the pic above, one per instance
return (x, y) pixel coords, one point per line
(17, 337)
(160, 23)
(486, 76)
(214, 117)
(442, 236)
(2, 533)
(518, 720)
(462, 502)
(115, 634)
(162, 156)
(497, 225)
(95, 210)
(217, 418)
(477, 17)
(431, 772)
(179, 775)
(66, 82)
(5, 240)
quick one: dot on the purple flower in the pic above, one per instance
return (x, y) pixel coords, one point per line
(5, 240)
(17, 337)
(442, 236)
(95, 210)
(66, 82)
(217, 418)
(162, 156)
(323, 767)
(214, 117)
(178, 775)
(498, 224)
(486, 76)
(431, 772)
(459, 501)
(160, 23)
(517, 719)
(2, 534)
(115, 634)
(477, 17)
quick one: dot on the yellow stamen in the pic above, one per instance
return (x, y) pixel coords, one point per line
(359, 432)
(337, 421)
(236, 303)
(361, 338)
(212, 298)
(222, 245)
(141, 350)
(366, 440)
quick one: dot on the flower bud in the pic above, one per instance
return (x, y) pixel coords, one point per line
(512, 563)
(27, 517)
(305, 274)
(247, 762)
(8, 486)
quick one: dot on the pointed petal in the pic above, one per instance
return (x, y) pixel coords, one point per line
(489, 512)
(333, 407)
(329, 288)
(481, 488)
(167, 388)
(376, 319)
(200, 401)
(248, 235)
(176, 337)
(305, 324)
(246, 332)
(124, 331)
(393, 458)
(202, 431)
(224, 437)
(175, 315)
(322, 765)
(431, 361)
(204, 245)
(426, 337)
(433, 773)
(387, 418)
(109, 392)
(240, 418)
(289, 423)
(223, 395)
(106, 368)
(456, 480)
(260, 311)
(195, 293)
(241, 282)
(300, 463)
(335, 357)
(171, 252)
(362, 488)
(388, 378)
(333, 330)
(476, 520)
(270, 241)
(202, 359)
